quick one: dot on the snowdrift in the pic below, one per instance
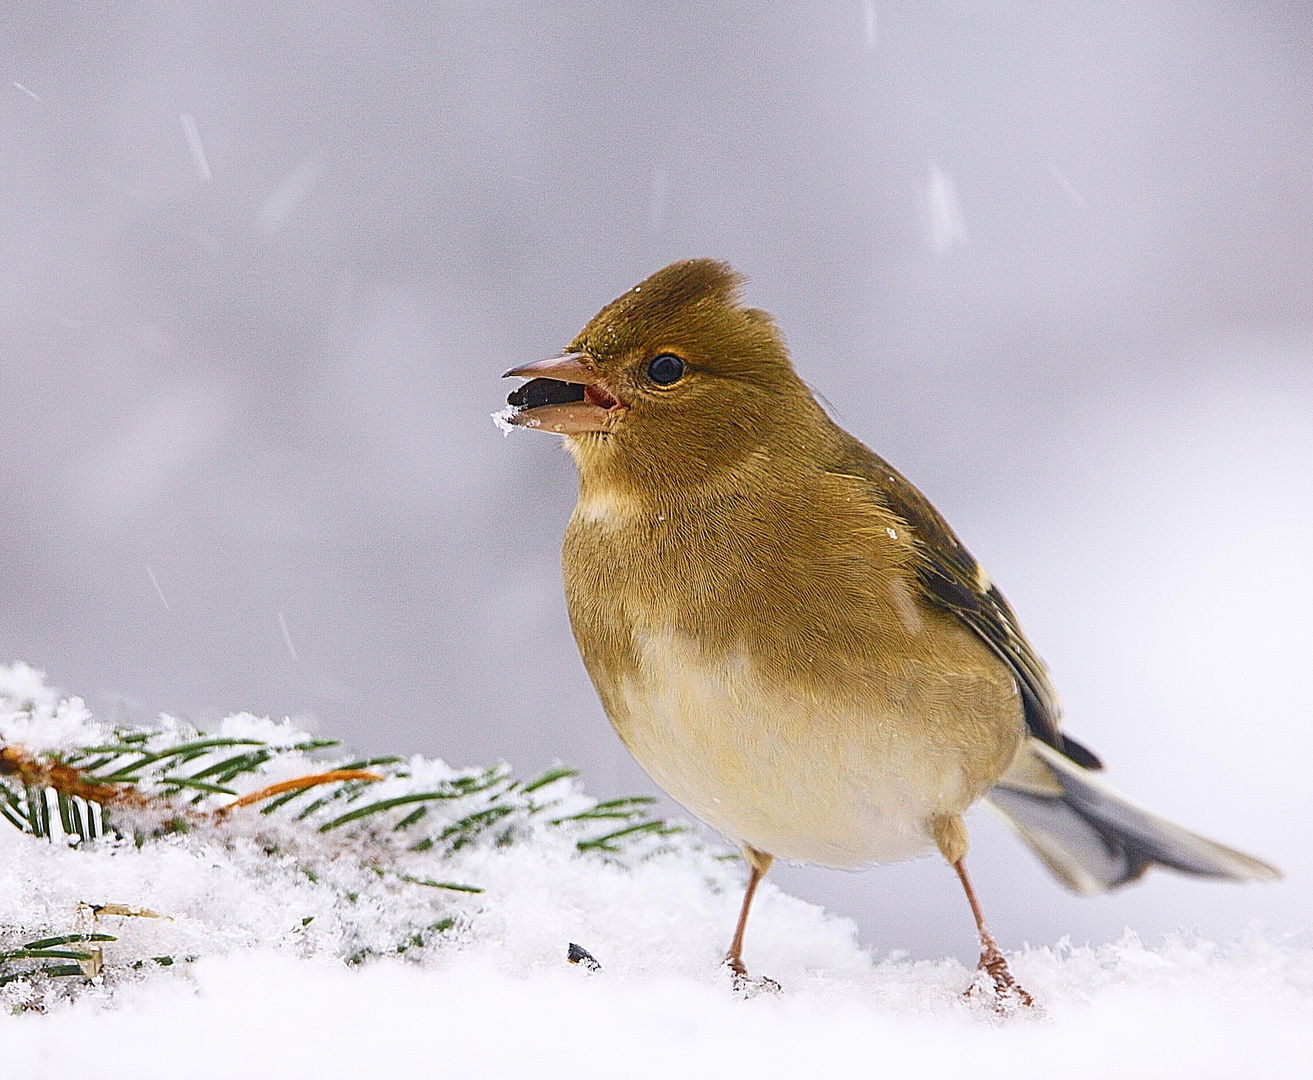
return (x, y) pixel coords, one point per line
(404, 916)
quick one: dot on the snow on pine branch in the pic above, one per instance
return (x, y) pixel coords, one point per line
(382, 853)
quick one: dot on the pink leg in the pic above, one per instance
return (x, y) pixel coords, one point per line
(991, 960)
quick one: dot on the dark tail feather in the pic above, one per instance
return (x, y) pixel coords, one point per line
(1093, 838)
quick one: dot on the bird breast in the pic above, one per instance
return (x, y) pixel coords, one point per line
(795, 694)
(840, 783)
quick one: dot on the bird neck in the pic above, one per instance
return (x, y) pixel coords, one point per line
(620, 478)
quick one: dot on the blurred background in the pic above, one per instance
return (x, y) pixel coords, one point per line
(261, 265)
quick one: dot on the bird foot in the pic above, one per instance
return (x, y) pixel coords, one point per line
(749, 986)
(994, 983)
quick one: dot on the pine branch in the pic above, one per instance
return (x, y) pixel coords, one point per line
(132, 786)
(375, 833)
(298, 785)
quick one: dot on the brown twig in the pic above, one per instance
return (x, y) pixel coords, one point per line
(65, 779)
(68, 780)
(299, 784)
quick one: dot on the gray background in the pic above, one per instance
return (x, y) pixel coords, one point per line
(1053, 260)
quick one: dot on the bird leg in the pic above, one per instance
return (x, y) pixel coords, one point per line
(759, 863)
(992, 961)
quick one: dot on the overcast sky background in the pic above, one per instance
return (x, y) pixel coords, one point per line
(261, 265)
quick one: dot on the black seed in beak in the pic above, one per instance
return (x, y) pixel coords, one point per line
(545, 392)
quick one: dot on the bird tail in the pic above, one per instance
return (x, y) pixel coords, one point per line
(1092, 837)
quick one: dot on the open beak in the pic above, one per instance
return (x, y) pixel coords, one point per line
(565, 395)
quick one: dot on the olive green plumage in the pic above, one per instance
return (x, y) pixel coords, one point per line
(784, 631)
(729, 520)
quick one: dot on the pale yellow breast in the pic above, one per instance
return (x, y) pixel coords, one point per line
(840, 780)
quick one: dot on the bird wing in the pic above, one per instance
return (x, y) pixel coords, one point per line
(951, 579)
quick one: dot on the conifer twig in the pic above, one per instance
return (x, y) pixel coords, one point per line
(66, 779)
(300, 783)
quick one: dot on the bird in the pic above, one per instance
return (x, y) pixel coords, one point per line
(789, 638)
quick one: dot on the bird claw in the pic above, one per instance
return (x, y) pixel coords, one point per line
(995, 984)
(749, 986)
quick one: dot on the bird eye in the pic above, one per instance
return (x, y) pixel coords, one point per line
(665, 369)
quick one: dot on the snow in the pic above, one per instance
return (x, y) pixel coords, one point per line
(502, 418)
(293, 954)
(196, 147)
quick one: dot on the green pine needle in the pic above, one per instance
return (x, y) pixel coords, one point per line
(178, 778)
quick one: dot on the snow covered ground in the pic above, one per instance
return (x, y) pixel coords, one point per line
(297, 952)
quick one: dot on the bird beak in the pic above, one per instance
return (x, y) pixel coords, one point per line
(565, 395)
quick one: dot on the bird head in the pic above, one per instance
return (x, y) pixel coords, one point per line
(668, 385)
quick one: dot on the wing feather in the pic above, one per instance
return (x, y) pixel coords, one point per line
(951, 578)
